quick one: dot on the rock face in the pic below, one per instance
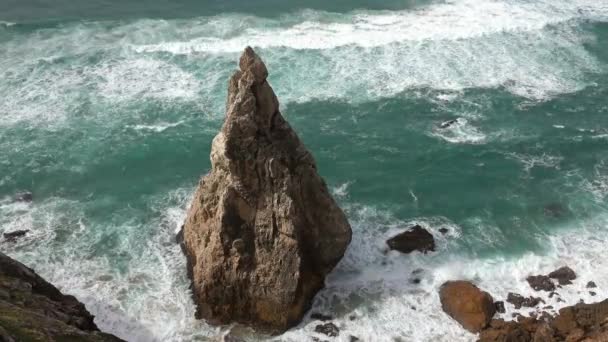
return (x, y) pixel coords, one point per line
(581, 322)
(467, 304)
(31, 309)
(414, 239)
(262, 231)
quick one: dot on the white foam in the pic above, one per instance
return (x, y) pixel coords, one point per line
(453, 20)
(7, 23)
(530, 161)
(159, 127)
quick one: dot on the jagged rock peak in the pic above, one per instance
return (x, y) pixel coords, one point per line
(262, 231)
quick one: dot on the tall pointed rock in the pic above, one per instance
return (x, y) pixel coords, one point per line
(262, 231)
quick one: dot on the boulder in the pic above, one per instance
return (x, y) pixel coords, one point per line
(414, 239)
(563, 275)
(263, 230)
(541, 283)
(31, 309)
(467, 304)
(591, 285)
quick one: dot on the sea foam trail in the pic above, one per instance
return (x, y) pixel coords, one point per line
(452, 20)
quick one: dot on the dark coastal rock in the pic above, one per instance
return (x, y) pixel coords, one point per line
(24, 197)
(541, 283)
(591, 285)
(520, 301)
(320, 317)
(414, 239)
(14, 235)
(263, 230)
(581, 322)
(467, 304)
(444, 230)
(354, 338)
(328, 329)
(500, 306)
(564, 275)
(31, 309)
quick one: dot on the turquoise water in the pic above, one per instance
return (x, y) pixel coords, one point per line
(107, 112)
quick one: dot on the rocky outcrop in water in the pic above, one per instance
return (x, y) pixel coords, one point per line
(414, 239)
(262, 231)
(31, 309)
(581, 322)
(467, 304)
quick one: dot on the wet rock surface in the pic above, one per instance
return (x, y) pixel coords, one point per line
(467, 304)
(520, 301)
(581, 322)
(564, 275)
(414, 239)
(31, 309)
(541, 283)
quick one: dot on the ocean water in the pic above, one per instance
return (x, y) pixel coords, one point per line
(108, 108)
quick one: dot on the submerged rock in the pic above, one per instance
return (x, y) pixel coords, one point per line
(555, 210)
(31, 309)
(541, 283)
(467, 304)
(14, 235)
(263, 230)
(24, 197)
(414, 239)
(564, 275)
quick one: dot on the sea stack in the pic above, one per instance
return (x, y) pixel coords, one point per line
(263, 230)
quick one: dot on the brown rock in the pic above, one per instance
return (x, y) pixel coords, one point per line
(263, 231)
(541, 283)
(564, 275)
(543, 333)
(414, 239)
(581, 322)
(467, 304)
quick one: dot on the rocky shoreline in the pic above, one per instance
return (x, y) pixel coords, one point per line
(31, 309)
(474, 309)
